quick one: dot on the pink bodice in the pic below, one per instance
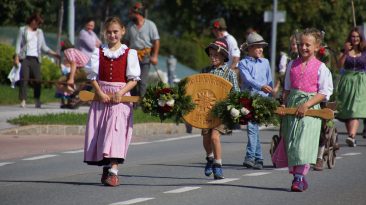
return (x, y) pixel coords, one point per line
(305, 79)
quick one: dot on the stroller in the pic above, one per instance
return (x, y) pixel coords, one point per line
(328, 138)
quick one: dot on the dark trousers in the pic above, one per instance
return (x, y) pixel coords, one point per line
(30, 69)
(140, 89)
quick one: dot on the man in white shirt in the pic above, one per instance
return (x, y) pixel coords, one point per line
(219, 29)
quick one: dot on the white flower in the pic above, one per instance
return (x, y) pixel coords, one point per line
(244, 111)
(170, 103)
(161, 103)
(229, 107)
(234, 113)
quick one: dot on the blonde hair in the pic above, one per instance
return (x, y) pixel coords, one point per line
(112, 20)
(313, 32)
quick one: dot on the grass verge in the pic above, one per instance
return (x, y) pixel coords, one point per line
(75, 119)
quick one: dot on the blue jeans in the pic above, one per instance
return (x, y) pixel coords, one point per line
(254, 148)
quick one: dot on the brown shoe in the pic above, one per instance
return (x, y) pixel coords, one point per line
(104, 175)
(319, 165)
(112, 180)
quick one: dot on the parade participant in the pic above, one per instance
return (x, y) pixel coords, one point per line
(73, 59)
(308, 82)
(29, 46)
(219, 29)
(351, 104)
(256, 74)
(218, 54)
(113, 69)
(143, 36)
(88, 40)
(284, 59)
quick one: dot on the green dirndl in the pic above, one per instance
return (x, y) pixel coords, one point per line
(351, 98)
(301, 134)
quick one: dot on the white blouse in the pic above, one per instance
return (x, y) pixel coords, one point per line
(325, 82)
(133, 66)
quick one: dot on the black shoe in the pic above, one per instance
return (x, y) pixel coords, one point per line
(258, 165)
(248, 163)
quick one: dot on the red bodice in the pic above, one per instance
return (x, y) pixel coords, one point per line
(113, 70)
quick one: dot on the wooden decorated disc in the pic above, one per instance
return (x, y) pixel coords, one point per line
(205, 90)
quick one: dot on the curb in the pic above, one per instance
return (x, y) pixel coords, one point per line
(144, 129)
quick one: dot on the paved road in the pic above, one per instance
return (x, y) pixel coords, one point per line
(170, 171)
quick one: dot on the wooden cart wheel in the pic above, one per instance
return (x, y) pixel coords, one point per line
(331, 151)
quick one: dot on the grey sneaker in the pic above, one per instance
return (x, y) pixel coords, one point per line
(258, 165)
(248, 163)
(351, 142)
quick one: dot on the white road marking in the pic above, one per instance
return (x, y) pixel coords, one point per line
(351, 154)
(132, 201)
(222, 181)
(74, 151)
(181, 190)
(140, 143)
(339, 157)
(178, 138)
(41, 157)
(5, 163)
(256, 174)
(282, 169)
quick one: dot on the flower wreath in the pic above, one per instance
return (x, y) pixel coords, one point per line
(167, 102)
(242, 107)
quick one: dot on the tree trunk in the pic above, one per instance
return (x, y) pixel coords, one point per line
(60, 22)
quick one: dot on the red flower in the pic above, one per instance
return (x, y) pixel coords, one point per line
(164, 91)
(247, 103)
(216, 24)
(165, 109)
(321, 51)
(62, 44)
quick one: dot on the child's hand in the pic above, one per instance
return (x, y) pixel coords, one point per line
(117, 97)
(266, 89)
(104, 97)
(281, 111)
(301, 110)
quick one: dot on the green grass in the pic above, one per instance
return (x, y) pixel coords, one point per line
(10, 96)
(74, 119)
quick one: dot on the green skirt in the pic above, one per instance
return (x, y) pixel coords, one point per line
(301, 134)
(351, 98)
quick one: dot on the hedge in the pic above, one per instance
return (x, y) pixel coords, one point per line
(50, 71)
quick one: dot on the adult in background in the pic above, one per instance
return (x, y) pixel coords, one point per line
(29, 46)
(142, 35)
(88, 40)
(219, 29)
(171, 64)
(351, 103)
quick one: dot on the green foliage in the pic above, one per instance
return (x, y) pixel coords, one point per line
(167, 102)
(189, 49)
(50, 71)
(12, 95)
(241, 107)
(6, 62)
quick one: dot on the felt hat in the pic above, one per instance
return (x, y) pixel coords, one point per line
(218, 23)
(219, 45)
(138, 7)
(253, 39)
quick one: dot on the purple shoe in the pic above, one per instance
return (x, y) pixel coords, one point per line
(299, 185)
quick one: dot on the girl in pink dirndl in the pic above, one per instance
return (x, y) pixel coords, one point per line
(113, 70)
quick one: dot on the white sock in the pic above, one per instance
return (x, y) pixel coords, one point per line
(218, 161)
(211, 155)
(114, 171)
